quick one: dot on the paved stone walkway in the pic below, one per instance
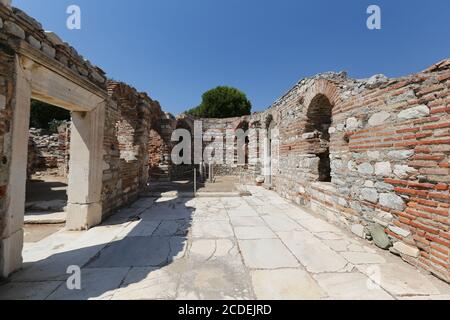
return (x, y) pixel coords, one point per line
(258, 247)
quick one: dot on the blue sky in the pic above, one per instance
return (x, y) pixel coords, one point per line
(177, 49)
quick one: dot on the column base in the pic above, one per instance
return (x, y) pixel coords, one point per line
(11, 254)
(83, 216)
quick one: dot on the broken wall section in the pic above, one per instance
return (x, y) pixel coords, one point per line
(389, 159)
(7, 80)
(130, 118)
(49, 153)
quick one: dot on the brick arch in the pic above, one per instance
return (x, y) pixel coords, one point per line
(185, 123)
(269, 120)
(325, 88)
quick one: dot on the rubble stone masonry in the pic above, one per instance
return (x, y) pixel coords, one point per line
(49, 152)
(7, 66)
(389, 152)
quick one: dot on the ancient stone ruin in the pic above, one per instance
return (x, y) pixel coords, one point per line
(368, 155)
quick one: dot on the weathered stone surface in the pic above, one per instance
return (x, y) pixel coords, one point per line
(54, 38)
(317, 225)
(376, 80)
(212, 268)
(309, 135)
(247, 222)
(379, 118)
(96, 284)
(138, 252)
(381, 186)
(281, 223)
(2, 102)
(352, 124)
(400, 154)
(414, 113)
(403, 171)
(358, 230)
(406, 249)
(399, 279)
(48, 50)
(369, 184)
(14, 29)
(303, 244)
(379, 237)
(285, 284)
(363, 257)
(34, 42)
(140, 229)
(383, 169)
(97, 77)
(28, 290)
(373, 155)
(254, 232)
(365, 168)
(215, 229)
(399, 231)
(148, 284)
(393, 201)
(369, 194)
(266, 254)
(350, 286)
(260, 179)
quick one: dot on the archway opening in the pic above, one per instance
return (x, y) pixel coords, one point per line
(319, 119)
(241, 145)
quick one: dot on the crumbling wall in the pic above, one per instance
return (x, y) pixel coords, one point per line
(160, 147)
(7, 65)
(111, 186)
(49, 153)
(130, 119)
(389, 151)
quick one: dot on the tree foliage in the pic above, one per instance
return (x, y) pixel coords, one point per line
(45, 116)
(222, 102)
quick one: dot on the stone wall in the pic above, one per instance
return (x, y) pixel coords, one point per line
(160, 148)
(389, 150)
(7, 65)
(49, 153)
(130, 120)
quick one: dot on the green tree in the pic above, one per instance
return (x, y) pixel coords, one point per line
(45, 116)
(222, 102)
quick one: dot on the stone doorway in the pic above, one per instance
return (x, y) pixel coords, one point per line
(35, 80)
(48, 165)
